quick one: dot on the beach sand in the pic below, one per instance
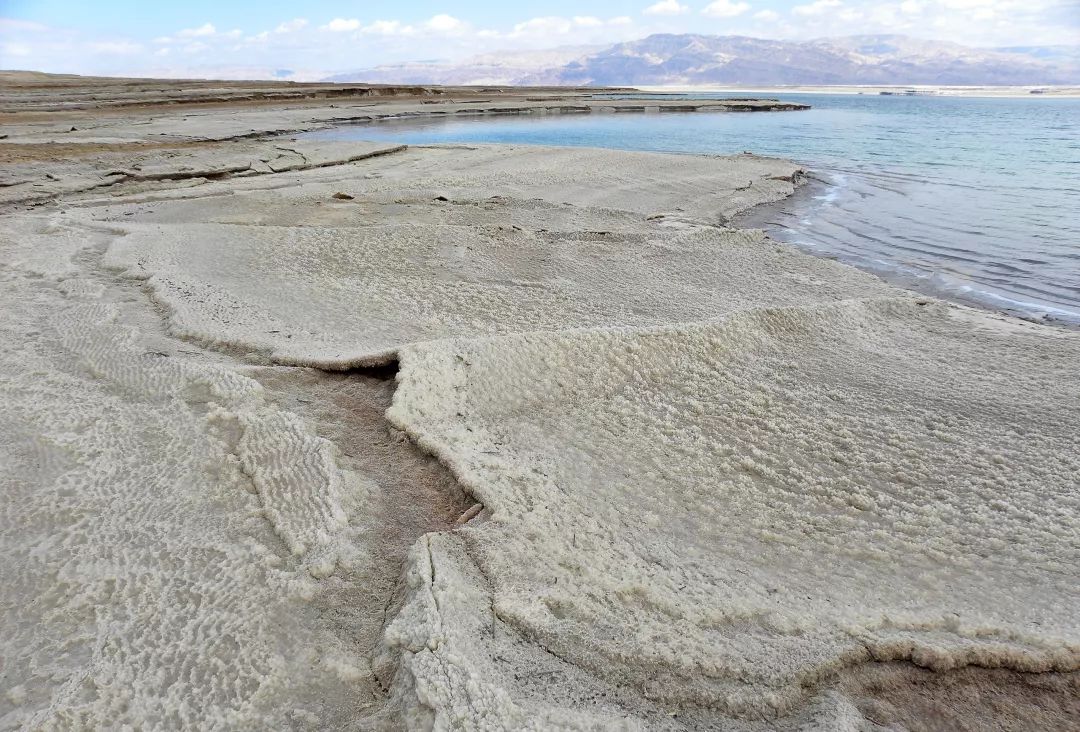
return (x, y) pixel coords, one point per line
(319, 435)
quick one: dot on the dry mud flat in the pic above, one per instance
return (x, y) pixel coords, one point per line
(686, 478)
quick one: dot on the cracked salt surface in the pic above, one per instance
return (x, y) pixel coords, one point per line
(718, 477)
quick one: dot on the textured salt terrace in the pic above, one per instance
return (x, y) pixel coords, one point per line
(142, 585)
(718, 476)
(726, 513)
(476, 253)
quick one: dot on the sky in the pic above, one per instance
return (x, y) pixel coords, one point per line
(311, 39)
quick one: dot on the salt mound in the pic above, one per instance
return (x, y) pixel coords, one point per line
(336, 297)
(726, 514)
(497, 240)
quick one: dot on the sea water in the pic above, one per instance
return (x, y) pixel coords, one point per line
(974, 199)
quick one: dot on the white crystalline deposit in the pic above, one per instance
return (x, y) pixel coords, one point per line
(715, 472)
(142, 583)
(450, 676)
(292, 471)
(434, 249)
(726, 513)
(340, 296)
(704, 188)
(335, 297)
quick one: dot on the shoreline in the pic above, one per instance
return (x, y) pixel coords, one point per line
(954, 289)
(97, 141)
(929, 90)
(408, 437)
(758, 218)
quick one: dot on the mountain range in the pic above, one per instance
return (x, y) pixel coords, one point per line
(688, 59)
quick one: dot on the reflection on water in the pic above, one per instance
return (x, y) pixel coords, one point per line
(976, 199)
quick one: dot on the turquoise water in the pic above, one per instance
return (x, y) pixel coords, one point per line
(973, 199)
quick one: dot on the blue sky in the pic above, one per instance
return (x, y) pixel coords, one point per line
(315, 37)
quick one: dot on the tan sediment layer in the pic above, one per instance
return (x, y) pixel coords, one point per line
(720, 483)
(98, 145)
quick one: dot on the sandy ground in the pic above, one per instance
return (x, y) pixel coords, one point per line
(359, 436)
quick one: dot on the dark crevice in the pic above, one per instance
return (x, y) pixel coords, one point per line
(406, 494)
(402, 493)
(383, 372)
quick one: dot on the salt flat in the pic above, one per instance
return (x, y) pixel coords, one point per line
(638, 469)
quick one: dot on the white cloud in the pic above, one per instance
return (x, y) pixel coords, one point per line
(970, 22)
(818, 7)
(550, 30)
(581, 27)
(292, 26)
(971, 4)
(979, 23)
(548, 25)
(116, 47)
(15, 49)
(206, 29)
(444, 23)
(339, 25)
(725, 9)
(12, 25)
(666, 7)
(387, 28)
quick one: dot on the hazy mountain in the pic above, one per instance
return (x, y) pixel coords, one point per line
(695, 59)
(492, 68)
(1054, 54)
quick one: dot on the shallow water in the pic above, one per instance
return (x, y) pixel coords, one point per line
(974, 199)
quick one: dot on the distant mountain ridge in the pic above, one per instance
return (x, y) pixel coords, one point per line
(491, 68)
(688, 59)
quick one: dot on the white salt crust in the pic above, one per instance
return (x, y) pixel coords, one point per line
(714, 472)
(728, 513)
(142, 586)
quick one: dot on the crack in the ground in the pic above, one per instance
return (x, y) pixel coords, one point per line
(120, 177)
(411, 493)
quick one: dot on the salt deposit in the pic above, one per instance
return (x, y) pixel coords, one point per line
(726, 514)
(711, 482)
(144, 585)
(467, 244)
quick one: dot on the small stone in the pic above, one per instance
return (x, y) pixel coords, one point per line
(342, 196)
